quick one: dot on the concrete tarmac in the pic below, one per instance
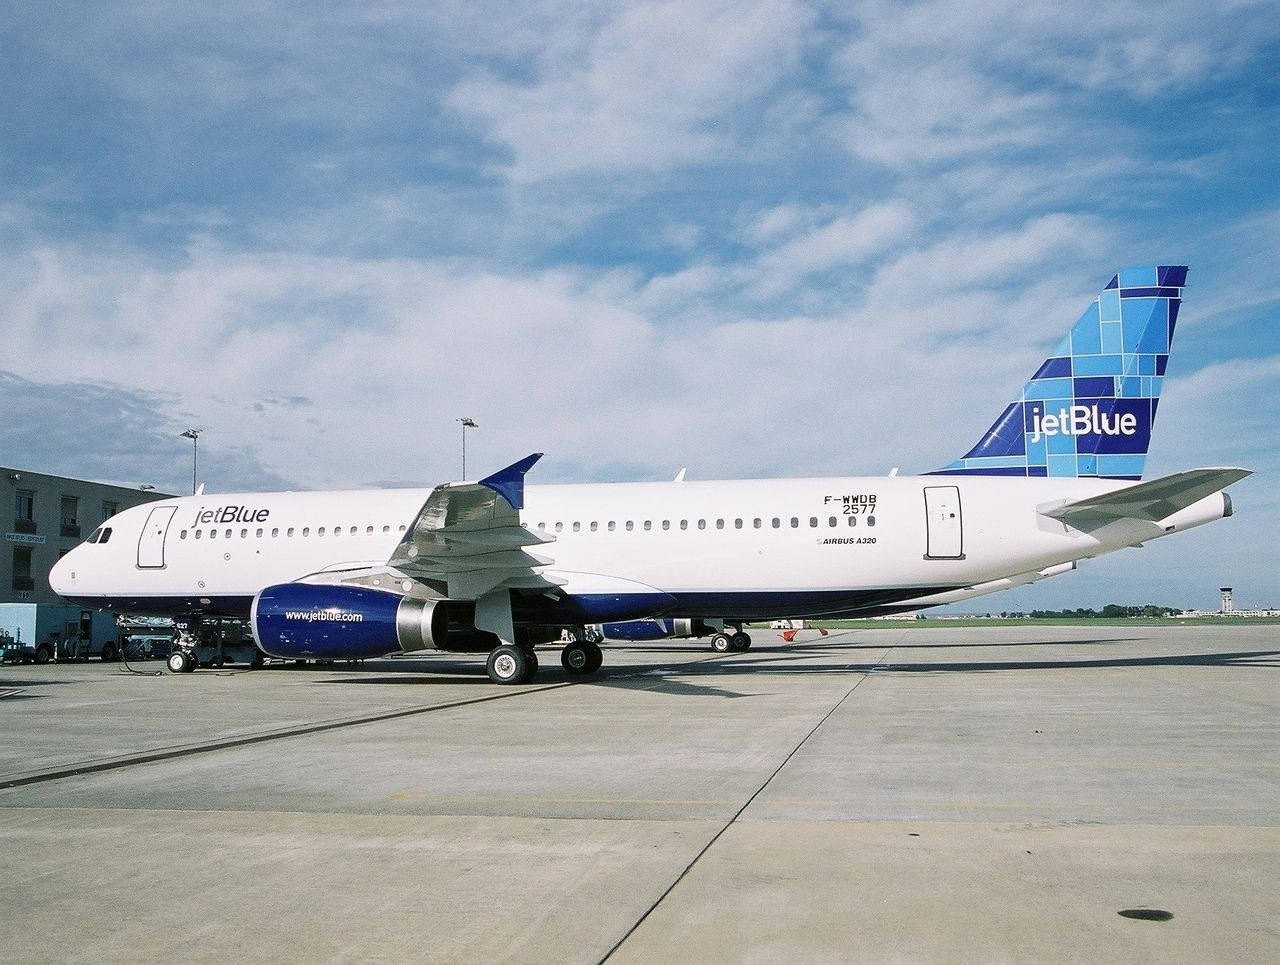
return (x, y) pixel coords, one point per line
(957, 794)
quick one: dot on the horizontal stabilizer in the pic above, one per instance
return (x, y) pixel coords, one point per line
(1152, 501)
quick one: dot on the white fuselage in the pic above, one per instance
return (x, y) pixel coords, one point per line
(740, 548)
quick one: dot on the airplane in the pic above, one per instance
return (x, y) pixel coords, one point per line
(495, 566)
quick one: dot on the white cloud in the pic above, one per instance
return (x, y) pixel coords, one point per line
(655, 87)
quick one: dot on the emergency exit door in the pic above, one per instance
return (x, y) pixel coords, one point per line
(151, 542)
(945, 525)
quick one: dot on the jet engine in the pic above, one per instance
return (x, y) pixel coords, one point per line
(639, 630)
(328, 621)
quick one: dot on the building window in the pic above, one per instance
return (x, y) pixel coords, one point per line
(22, 580)
(70, 516)
(24, 505)
(109, 509)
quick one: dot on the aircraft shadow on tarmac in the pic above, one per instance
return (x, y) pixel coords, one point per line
(674, 678)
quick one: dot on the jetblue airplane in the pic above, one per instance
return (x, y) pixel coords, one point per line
(493, 566)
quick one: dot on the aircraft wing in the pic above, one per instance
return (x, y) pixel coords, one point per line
(1153, 501)
(468, 537)
(465, 541)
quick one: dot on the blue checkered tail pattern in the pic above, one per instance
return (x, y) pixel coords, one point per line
(1089, 409)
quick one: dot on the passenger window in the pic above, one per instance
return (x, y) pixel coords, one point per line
(719, 524)
(182, 535)
(737, 523)
(290, 533)
(853, 520)
(213, 534)
(702, 524)
(666, 524)
(577, 527)
(612, 525)
(368, 530)
(402, 527)
(648, 524)
(386, 529)
(684, 524)
(228, 535)
(776, 522)
(542, 526)
(813, 520)
(757, 522)
(244, 533)
(794, 522)
(356, 529)
(832, 521)
(306, 531)
(559, 527)
(275, 531)
(871, 520)
(319, 532)
(594, 526)
(630, 526)
(259, 534)
(198, 532)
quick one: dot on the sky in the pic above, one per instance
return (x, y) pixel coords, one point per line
(776, 238)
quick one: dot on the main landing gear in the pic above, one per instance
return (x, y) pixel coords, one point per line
(724, 641)
(512, 664)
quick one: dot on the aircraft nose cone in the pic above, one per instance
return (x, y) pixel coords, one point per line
(62, 576)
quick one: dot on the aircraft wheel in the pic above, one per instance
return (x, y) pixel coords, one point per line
(532, 672)
(597, 657)
(721, 643)
(576, 657)
(256, 662)
(508, 665)
(741, 641)
(178, 662)
(109, 653)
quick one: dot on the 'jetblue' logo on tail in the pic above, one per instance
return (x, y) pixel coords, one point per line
(1082, 420)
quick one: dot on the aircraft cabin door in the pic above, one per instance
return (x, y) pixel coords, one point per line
(945, 524)
(151, 542)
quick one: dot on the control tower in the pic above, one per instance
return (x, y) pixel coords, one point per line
(1228, 604)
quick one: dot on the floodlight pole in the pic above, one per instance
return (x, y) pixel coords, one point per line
(194, 436)
(466, 424)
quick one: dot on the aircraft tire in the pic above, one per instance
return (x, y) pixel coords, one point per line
(597, 656)
(721, 642)
(178, 662)
(532, 672)
(508, 665)
(741, 641)
(576, 658)
(109, 654)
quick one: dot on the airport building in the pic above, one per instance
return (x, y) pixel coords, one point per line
(46, 516)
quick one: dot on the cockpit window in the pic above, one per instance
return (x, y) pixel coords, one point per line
(106, 534)
(93, 538)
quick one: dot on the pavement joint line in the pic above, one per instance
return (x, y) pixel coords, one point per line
(149, 757)
(737, 814)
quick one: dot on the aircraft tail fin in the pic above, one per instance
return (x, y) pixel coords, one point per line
(1089, 408)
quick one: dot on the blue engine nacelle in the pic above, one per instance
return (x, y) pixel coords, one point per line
(334, 621)
(639, 630)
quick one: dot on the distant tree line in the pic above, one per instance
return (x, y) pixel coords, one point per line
(1111, 611)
